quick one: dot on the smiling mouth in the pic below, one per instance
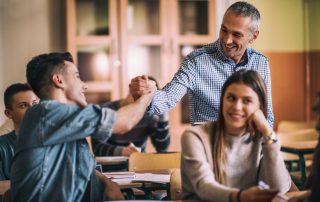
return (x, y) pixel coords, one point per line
(228, 47)
(236, 116)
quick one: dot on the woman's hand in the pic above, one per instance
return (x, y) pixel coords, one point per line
(254, 194)
(131, 148)
(259, 122)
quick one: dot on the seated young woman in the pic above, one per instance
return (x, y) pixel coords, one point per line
(224, 160)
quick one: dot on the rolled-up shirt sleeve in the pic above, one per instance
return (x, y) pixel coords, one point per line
(104, 128)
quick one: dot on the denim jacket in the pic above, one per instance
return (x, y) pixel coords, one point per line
(52, 160)
(7, 147)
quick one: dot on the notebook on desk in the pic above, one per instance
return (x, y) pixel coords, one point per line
(138, 177)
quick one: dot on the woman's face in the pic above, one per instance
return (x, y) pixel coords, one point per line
(239, 103)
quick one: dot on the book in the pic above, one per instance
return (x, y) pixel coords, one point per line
(137, 177)
(150, 177)
(120, 175)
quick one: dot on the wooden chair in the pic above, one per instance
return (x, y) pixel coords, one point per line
(7, 196)
(158, 162)
(4, 187)
(175, 185)
(155, 161)
(289, 126)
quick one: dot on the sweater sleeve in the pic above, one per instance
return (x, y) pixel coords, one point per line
(161, 136)
(106, 149)
(273, 170)
(197, 175)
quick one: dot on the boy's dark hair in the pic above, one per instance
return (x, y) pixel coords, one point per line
(41, 68)
(12, 90)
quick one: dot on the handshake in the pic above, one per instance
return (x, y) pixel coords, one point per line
(142, 85)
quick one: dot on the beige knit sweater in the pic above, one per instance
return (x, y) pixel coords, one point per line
(248, 162)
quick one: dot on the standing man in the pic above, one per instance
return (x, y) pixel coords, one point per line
(52, 160)
(17, 99)
(204, 71)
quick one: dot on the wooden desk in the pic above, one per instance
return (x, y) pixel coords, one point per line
(300, 148)
(160, 201)
(4, 186)
(289, 195)
(112, 160)
(147, 187)
(298, 195)
(113, 163)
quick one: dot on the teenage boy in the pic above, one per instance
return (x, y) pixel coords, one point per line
(52, 160)
(17, 99)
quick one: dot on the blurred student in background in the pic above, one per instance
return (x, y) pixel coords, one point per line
(154, 126)
(17, 99)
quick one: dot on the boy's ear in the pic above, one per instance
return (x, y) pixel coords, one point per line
(7, 112)
(57, 80)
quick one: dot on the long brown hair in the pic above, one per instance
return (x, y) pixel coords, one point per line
(254, 81)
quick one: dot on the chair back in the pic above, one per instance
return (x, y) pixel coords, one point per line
(299, 135)
(175, 185)
(288, 126)
(160, 161)
(155, 161)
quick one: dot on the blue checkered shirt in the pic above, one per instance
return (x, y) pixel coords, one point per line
(201, 75)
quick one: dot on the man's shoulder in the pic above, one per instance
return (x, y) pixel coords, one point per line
(205, 50)
(253, 53)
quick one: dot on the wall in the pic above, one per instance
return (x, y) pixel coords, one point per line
(2, 118)
(27, 28)
(313, 17)
(284, 39)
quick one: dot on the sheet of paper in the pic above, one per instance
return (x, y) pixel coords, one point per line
(137, 177)
(120, 175)
(149, 177)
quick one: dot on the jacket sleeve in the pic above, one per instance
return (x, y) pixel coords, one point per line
(161, 137)
(55, 123)
(197, 174)
(2, 166)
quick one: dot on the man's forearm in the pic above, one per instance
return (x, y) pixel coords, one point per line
(129, 116)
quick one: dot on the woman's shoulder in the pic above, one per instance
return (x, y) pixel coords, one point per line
(202, 131)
